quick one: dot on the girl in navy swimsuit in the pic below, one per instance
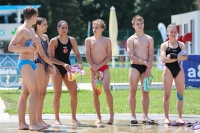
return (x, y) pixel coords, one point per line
(172, 71)
(43, 64)
(60, 48)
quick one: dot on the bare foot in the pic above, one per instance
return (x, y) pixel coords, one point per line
(42, 125)
(75, 121)
(166, 121)
(57, 122)
(45, 124)
(98, 121)
(36, 127)
(23, 127)
(110, 122)
(180, 120)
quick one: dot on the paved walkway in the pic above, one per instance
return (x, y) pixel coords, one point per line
(3, 116)
(9, 124)
(121, 124)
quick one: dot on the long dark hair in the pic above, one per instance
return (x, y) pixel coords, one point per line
(38, 22)
(60, 22)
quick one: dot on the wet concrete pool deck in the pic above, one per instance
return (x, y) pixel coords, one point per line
(9, 124)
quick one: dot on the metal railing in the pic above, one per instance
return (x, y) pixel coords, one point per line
(119, 68)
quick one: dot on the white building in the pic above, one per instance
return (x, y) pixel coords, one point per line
(188, 25)
(7, 30)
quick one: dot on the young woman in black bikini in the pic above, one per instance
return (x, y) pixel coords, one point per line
(44, 66)
(60, 48)
(172, 71)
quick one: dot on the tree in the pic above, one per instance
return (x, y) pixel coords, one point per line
(92, 10)
(78, 12)
(155, 11)
(68, 11)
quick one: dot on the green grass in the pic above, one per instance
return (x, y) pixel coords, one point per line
(85, 102)
(120, 75)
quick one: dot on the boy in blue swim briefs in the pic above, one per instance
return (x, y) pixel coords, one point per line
(23, 42)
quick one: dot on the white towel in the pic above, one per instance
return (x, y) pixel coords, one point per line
(180, 62)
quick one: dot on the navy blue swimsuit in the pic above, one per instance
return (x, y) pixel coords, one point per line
(45, 48)
(173, 66)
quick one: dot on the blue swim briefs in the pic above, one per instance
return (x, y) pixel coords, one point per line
(21, 63)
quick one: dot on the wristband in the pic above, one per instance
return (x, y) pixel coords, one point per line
(173, 56)
(51, 64)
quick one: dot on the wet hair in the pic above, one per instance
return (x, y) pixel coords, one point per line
(171, 26)
(100, 22)
(38, 22)
(29, 12)
(60, 23)
(137, 18)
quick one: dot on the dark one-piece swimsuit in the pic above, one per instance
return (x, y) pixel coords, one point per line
(173, 66)
(62, 53)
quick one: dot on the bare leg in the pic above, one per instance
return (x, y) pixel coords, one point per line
(134, 76)
(46, 81)
(22, 107)
(179, 81)
(42, 81)
(72, 88)
(97, 106)
(145, 102)
(29, 79)
(109, 98)
(95, 98)
(57, 85)
(167, 83)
